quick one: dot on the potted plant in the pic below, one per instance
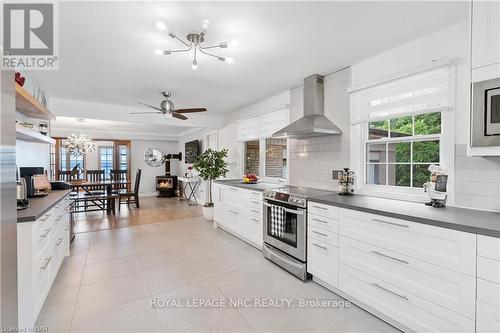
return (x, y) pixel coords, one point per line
(211, 165)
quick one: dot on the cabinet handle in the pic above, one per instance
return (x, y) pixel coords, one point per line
(392, 223)
(389, 257)
(320, 233)
(318, 220)
(59, 241)
(389, 291)
(46, 264)
(47, 231)
(233, 211)
(45, 218)
(320, 207)
(321, 247)
(255, 202)
(255, 211)
(255, 220)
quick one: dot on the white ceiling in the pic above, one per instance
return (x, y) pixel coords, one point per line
(98, 128)
(106, 48)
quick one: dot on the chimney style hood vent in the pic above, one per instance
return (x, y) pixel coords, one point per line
(313, 123)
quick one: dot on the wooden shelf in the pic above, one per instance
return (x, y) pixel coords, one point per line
(31, 135)
(29, 106)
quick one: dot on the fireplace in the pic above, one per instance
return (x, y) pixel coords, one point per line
(166, 186)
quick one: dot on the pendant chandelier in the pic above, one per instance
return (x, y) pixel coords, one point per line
(194, 43)
(79, 145)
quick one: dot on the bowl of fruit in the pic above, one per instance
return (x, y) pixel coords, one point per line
(250, 178)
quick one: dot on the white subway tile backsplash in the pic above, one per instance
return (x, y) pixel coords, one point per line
(485, 202)
(477, 180)
(312, 160)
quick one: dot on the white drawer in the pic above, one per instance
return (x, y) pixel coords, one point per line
(323, 261)
(232, 195)
(322, 222)
(488, 247)
(444, 247)
(252, 211)
(488, 292)
(455, 291)
(488, 269)
(412, 311)
(254, 230)
(232, 215)
(321, 235)
(323, 210)
(488, 318)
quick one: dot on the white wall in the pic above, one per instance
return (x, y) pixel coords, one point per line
(30, 154)
(476, 180)
(148, 177)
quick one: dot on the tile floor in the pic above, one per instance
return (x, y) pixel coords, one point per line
(108, 282)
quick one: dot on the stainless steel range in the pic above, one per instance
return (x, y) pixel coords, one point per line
(285, 227)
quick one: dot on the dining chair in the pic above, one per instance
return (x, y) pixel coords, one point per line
(128, 197)
(119, 176)
(92, 176)
(67, 177)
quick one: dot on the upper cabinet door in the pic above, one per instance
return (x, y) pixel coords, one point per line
(485, 33)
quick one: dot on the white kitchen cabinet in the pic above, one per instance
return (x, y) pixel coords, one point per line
(488, 285)
(408, 309)
(443, 247)
(41, 248)
(323, 261)
(450, 289)
(239, 211)
(420, 276)
(323, 243)
(485, 33)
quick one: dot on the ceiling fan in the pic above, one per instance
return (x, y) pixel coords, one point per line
(168, 110)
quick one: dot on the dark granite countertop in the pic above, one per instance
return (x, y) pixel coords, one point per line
(468, 220)
(261, 186)
(39, 206)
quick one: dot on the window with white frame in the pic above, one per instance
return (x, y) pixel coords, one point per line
(106, 160)
(401, 124)
(261, 154)
(252, 157)
(399, 150)
(268, 162)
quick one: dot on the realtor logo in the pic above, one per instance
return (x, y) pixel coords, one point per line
(29, 36)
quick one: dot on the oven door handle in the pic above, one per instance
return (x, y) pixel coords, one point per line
(291, 211)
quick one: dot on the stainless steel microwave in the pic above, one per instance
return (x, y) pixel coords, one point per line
(485, 130)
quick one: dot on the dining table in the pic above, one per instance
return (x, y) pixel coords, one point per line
(108, 185)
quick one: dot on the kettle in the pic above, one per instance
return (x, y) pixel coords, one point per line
(21, 189)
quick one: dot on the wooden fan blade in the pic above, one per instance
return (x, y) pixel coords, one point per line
(146, 112)
(150, 106)
(191, 110)
(179, 116)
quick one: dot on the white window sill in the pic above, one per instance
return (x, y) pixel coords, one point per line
(389, 192)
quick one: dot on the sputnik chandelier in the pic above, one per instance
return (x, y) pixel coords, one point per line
(79, 145)
(194, 44)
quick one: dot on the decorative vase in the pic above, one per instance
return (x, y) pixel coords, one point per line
(208, 213)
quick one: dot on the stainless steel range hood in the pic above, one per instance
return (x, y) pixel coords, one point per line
(313, 123)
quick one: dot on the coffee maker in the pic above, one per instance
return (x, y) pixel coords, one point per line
(27, 173)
